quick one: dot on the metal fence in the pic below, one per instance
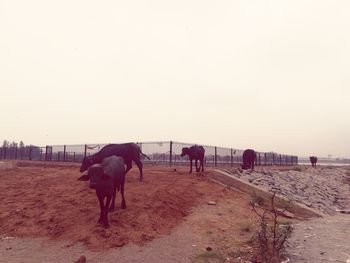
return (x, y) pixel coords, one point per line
(165, 152)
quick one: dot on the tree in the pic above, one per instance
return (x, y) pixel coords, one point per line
(5, 143)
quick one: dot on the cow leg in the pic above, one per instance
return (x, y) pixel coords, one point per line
(139, 165)
(196, 163)
(128, 166)
(100, 200)
(113, 197)
(122, 194)
(252, 165)
(201, 164)
(106, 208)
(191, 166)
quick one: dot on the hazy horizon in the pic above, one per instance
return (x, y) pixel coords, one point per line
(271, 75)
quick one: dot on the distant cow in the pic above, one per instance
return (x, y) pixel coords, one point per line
(248, 158)
(194, 152)
(106, 178)
(313, 160)
(129, 151)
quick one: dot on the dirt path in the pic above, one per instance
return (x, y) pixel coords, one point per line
(321, 240)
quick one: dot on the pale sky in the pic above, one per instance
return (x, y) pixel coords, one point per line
(269, 75)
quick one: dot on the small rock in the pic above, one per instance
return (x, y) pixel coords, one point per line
(211, 203)
(82, 259)
(209, 249)
(7, 238)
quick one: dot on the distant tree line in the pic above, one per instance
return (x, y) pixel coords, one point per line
(6, 143)
(14, 150)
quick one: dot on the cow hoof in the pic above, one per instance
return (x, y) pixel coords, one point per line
(106, 225)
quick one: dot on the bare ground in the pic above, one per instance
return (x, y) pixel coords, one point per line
(46, 215)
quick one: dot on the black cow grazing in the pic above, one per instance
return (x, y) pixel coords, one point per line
(313, 160)
(129, 151)
(106, 178)
(248, 158)
(194, 152)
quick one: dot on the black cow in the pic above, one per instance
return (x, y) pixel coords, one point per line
(313, 160)
(106, 178)
(129, 151)
(248, 158)
(194, 152)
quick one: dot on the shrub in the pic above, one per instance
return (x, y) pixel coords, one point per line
(271, 239)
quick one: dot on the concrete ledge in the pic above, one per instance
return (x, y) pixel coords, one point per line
(298, 209)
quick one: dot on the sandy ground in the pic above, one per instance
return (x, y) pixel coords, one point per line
(46, 215)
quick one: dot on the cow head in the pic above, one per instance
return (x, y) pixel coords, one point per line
(185, 151)
(96, 176)
(86, 163)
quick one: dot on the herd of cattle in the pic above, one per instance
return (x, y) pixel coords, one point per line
(106, 170)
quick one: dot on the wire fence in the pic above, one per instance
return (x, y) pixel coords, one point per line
(164, 152)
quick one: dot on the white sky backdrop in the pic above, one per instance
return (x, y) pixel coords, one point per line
(269, 75)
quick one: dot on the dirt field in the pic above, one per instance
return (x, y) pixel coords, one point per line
(46, 201)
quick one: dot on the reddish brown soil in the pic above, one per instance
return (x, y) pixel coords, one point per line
(41, 200)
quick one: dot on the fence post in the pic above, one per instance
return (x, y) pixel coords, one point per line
(85, 150)
(265, 158)
(64, 153)
(171, 152)
(231, 157)
(16, 149)
(216, 156)
(280, 159)
(30, 153)
(46, 152)
(73, 157)
(5, 152)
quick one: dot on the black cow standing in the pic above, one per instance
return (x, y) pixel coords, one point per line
(248, 158)
(197, 153)
(129, 151)
(106, 178)
(313, 160)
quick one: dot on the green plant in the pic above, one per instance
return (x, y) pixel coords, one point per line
(271, 239)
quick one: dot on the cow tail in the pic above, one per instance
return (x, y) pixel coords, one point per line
(145, 155)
